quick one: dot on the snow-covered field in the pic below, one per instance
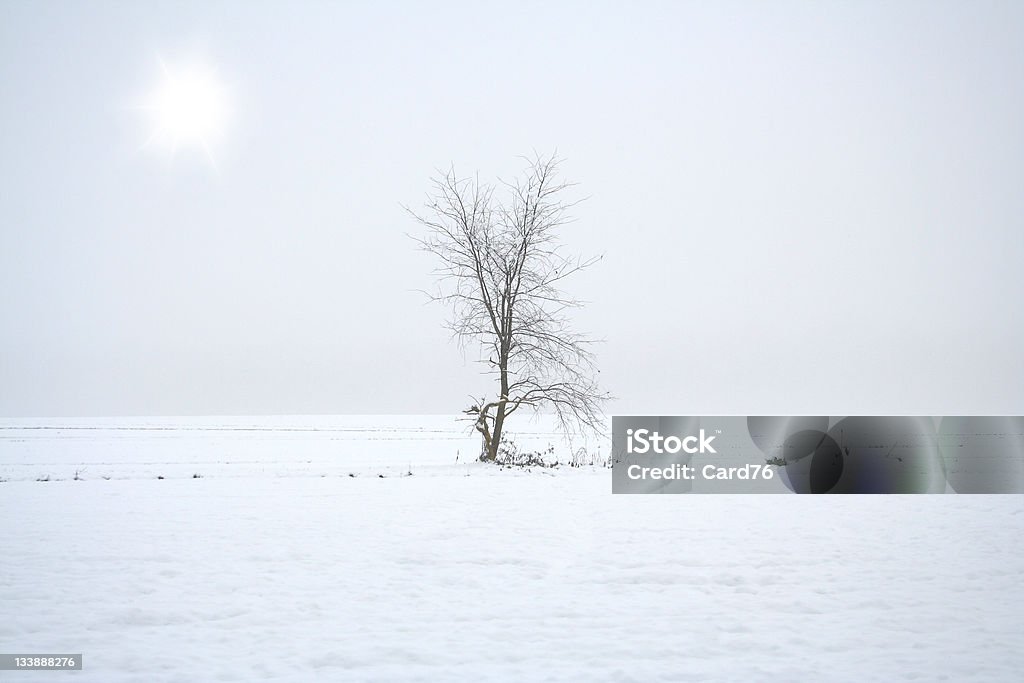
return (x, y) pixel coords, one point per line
(287, 446)
(276, 564)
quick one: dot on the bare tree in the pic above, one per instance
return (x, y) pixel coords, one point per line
(501, 271)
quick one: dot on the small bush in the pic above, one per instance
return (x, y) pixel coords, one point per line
(583, 458)
(509, 455)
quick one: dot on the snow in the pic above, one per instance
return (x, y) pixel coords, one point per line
(291, 446)
(278, 565)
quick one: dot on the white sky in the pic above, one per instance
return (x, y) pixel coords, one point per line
(810, 207)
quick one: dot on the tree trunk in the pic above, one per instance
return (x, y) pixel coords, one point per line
(499, 416)
(499, 421)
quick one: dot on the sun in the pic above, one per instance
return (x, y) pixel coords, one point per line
(188, 108)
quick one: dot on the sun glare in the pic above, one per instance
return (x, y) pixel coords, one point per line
(189, 109)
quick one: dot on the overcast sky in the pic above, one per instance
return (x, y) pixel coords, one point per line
(810, 207)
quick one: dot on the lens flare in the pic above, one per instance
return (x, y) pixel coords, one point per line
(189, 109)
